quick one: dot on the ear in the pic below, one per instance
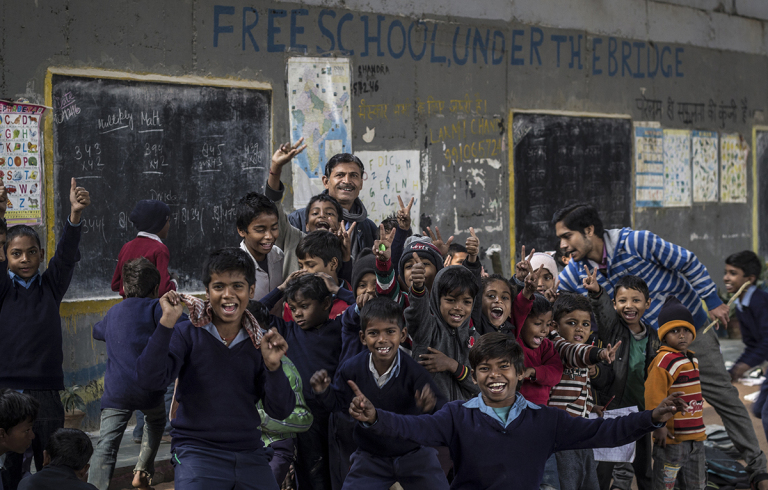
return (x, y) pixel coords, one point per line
(648, 303)
(334, 264)
(589, 230)
(327, 303)
(156, 292)
(42, 254)
(325, 182)
(46, 458)
(83, 473)
(242, 233)
(474, 378)
(251, 290)
(362, 337)
(207, 296)
(403, 334)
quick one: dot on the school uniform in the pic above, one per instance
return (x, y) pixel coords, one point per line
(55, 478)
(152, 247)
(381, 461)
(752, 312)
(269, 272)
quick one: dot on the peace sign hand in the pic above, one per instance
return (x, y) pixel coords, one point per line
(346, 239)
(552, 293)
(609, 353)
(361, 408)
(524, 268)
(404, 214)
(590, 282)
(438, 242)
(285, 154)
(385, 242)
(472, 245)
(532, 282)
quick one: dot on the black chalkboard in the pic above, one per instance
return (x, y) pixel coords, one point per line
(197, 148)
(561, 160)
(762, 193)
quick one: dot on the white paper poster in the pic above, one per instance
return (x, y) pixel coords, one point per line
(319, 102)
(733, 168)
(677, 167)
(704, 158)
(387, 175)
(649, 166)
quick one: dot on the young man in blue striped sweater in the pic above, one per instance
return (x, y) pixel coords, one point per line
(669, 270)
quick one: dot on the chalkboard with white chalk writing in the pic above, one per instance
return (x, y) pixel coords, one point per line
(560, 160)
(197, 148)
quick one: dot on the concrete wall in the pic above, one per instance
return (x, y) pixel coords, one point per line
(588, 56)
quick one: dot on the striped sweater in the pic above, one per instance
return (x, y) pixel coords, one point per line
(673, 371)
(387, 285)
(574, 391)
(668, 269)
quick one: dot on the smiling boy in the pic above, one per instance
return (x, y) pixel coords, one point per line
(484, 433)
(397, 382)
(257, 224)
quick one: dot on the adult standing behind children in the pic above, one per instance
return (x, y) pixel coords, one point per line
(668, 270)
(153, 220)
(31, 324)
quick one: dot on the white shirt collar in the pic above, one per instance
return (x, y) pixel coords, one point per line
(390, 373)
(150, 235)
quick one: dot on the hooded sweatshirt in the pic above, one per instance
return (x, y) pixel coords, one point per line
(428, 329)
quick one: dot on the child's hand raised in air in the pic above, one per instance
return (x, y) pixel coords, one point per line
(667, 409)
(418, 273)
(320, 381)
(329, 282)
(80, 199)
(590, 282)
(291, 277)
(404, 214)
(361, 408)
(438, 242)
(437, 362)
(173, 307)
(282, 156)
(532, 282)
(473, 246)
(386, 240)
(552, 293)
(346, 237)
(609, 353)
(273, 348)
(524, 267)
(425, 399)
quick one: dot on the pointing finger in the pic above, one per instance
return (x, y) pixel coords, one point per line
(472, 232)
(73, 185)
(522, 254)
(416, 258)
(355, 389)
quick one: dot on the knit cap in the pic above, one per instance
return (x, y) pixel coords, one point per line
(365, 263)
(546, 260)
(150, 215)
(672, 315)
(424, 248)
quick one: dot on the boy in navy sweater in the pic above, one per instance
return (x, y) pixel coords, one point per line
(30, 324)
(752, 312)
(225, 363)
(394, 381)
(316, 342)
(126, 329)
(484, 433)
(17, 416)
(65, 464)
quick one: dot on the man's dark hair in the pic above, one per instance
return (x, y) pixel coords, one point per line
(497, 345)
(383, 309)
(321, 244)
(747, 261)
(455, 248)
(15, 408)
(251, 207)
(540, 306)
(324, 197)
(22, 230)
(309, 286)
(140, 278)
(632, 282)
(259, 312)
(568, 302)
(498, 277)
(70, 448)
(390, 223)
(3, 226)
(457, 279)
(343, 158)
(229, 260)
(579, 217)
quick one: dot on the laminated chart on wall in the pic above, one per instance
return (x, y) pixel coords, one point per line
(21, 161)
(704, 158)
(389, 174)
(649, 166)
(677, 167)
(319, 105)
(733, 168)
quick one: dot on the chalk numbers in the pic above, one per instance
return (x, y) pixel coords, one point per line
(186, 215)
(153, 156)
(89, 156)
(211, 157)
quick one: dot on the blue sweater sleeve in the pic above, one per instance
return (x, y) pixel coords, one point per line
(428, 430)
(350, 334)
(279, 399)
(162, 359)
(272, 298)
(346, 295)
(100, 329)
(754, 324)
(62, 264)
(580, 433)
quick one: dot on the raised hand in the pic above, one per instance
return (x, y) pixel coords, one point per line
(80, 199)
(172, 306)
(425, 399)
(418, 272)
(532, 282)
(291, 277)
(404, 214)
(590, 282)
(552, 293)
(361, 408)
(283, 155)
(437, 362)
(472, 245)
(524, 267)
(386, 240)
(609, 353)
(438, 242)
(320, 381)
(329, 282)
(668, 407)
(273, 348)
(346, 239)
(363, 299)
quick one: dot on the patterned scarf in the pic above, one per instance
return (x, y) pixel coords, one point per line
(201, 314)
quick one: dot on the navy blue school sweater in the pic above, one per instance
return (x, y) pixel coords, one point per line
(313, 349)
(753, 320)
(397, 396)
(487, 455)
(126, 328)
(30, 324)
(218, 387)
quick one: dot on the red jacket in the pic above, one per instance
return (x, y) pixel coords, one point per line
(152, 249)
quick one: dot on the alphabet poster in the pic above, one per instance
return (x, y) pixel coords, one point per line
(21, 161)
(387, 175)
